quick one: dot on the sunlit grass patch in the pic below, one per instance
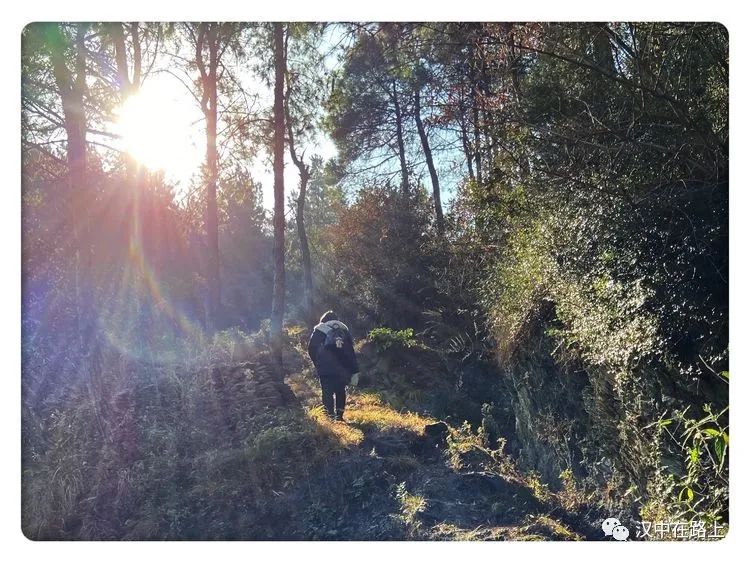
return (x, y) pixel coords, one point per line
(305, 387)
(348, 436)
(539, 489)
(367, 409)
(367, 399)
(296, 330)
(411, 506)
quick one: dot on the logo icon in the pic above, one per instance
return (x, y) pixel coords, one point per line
(620, 533)
(613, 527)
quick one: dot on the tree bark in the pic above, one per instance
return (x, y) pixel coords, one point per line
(127, 86)
(485, 115)
(473, 92)
(439, 221)
(304, 177)
(121, 58)
(209, 34)
(71, 89)
(305, 249)
(477, 139)
(400, 141)
(134, 172)
(279, 273)
(465, 140)
(136, 82)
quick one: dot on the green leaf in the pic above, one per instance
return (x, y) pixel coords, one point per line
(720, 449)
(687, 492)
(711, 432)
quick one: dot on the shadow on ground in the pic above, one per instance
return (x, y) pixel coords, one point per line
(402, 474)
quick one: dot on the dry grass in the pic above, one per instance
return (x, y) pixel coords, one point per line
(452, 532)
(368, 410)
(365, 410)
(544, 528)
(305, 386)
(348, 436)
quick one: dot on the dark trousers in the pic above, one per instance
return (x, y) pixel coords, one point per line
(331, 387)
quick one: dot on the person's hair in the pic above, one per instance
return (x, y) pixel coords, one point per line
(328, 316)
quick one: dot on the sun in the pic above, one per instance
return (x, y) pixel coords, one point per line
(155, 129)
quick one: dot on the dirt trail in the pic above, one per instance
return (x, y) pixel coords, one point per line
(405, 475)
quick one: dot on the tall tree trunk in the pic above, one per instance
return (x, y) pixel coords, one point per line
(71, 89)
(430, 164)
(400, 141)
(602, 48)
(209, 34)
(121, 58)
(485, 114)
(127, 86)
(134, 171)
(473, 94)
(305, 249)
(465, 139)
(477, 149)
(135, 36)
(212, 221)
(279, 273)
(304, 177)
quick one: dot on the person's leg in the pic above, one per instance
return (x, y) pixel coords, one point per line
(340, 401)
(327, 389)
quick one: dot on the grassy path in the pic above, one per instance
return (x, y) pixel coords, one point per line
(397, 481)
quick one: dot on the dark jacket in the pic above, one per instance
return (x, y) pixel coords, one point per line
(338, 365)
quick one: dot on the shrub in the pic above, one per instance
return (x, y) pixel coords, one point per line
(411, 506)
(384, 338)
(375, 259)
(697, 486)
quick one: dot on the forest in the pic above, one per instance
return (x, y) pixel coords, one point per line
(524, 226)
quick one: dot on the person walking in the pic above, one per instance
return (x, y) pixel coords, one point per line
(331, 350)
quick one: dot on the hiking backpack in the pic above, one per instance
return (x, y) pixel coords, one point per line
(335, 336)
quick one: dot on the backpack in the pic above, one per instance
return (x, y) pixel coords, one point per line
(336, 333)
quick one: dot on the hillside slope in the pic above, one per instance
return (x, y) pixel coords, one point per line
(394, 471)
(228, 452)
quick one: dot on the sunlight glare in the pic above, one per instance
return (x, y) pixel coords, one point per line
(155, 129)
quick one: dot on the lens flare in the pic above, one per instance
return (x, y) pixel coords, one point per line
(139, 315)
(156, 130)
